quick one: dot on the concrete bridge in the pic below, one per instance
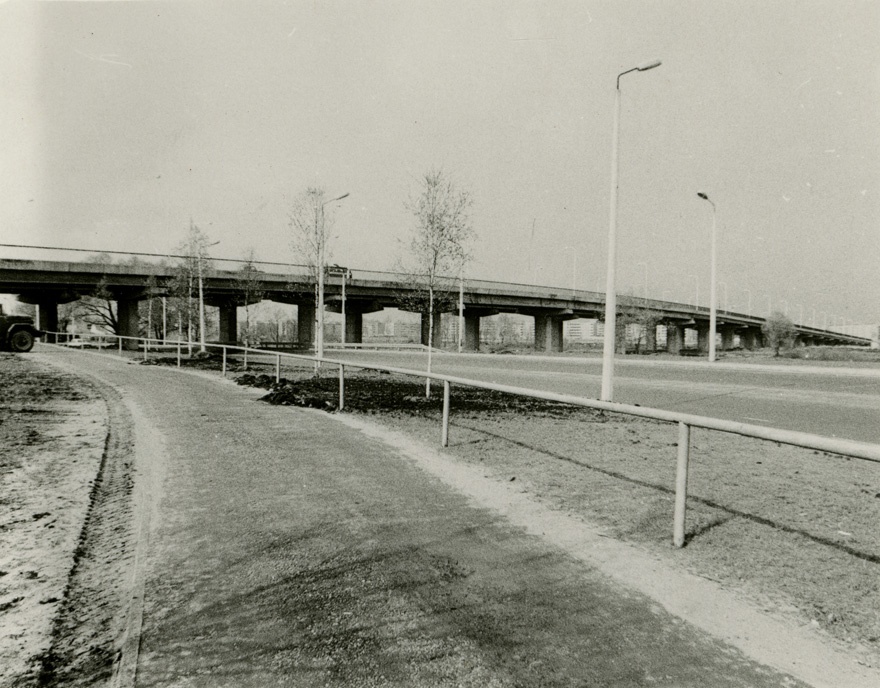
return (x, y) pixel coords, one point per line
(50, 283)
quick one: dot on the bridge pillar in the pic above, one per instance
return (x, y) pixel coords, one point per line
(228, 316)
(727, 338)
(354, 327)
(703, 337)
(471, 332)
(128, 321)
(674, 338)
(438, 334)
(548, 333)
(305, 324)
(747, 339)
(48, 318)
(651, 338)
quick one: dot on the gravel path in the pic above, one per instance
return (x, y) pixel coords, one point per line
(286, 548)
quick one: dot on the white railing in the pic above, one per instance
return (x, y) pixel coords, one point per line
(833, 445)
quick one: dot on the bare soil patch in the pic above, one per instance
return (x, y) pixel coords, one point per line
(53, 429)
(793, 529)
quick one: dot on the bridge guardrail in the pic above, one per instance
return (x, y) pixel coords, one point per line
(851, 448)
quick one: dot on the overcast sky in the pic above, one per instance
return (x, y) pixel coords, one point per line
(123, 120)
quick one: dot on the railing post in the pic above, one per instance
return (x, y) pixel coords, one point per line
(245, 358)
(444, 434)
(681, 480)
(277, 367)
(119, 337)
(224, 361)
(178, 353)
(145, 349)
(341, 386)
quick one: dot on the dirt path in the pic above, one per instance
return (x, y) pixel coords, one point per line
(290, 549)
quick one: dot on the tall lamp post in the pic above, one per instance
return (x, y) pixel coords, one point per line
(322, 245)
(610, 294)
(713, 296)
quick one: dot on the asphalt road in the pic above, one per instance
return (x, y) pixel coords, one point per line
(835, 402)
(290, 549)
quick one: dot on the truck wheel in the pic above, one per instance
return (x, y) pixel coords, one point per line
(21, 341)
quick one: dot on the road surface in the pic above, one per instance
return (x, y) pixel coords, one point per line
(835, 402)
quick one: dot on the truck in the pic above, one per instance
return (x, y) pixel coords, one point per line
(17, 332)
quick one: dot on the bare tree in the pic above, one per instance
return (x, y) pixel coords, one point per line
(779, 331)
(249, 285)
(310, 224)
(98, 309)
(437, 250)
(635, 311)
(187, 285)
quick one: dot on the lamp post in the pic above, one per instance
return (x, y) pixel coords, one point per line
(322, 241)
(610, 295)
(461, 310)
(202, 249)
(713, 296)
(749, 309)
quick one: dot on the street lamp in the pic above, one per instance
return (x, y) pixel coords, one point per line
(610, 295)
(713, 303)
(461, 309)
(322, 240)
(202, 249)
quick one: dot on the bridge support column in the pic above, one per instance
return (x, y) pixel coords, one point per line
(228, 316)
(620, 337)
(354, 327)
(674, 338)
(548, 333)
(471, 332)
(48, 319)
(703, 337)
(305, 324)
(726, 338)
(747, 338)
(128, 320)
(651, 338)
(438, 334)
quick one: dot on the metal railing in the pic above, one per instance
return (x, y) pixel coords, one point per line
(833, 445)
